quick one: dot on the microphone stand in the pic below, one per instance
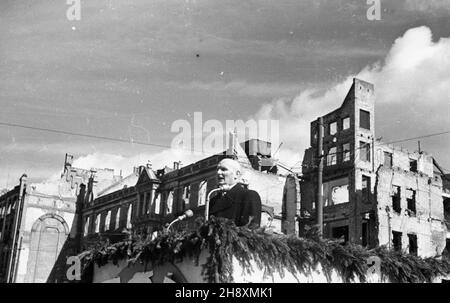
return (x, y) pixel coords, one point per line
(187, 214)
(171, 223)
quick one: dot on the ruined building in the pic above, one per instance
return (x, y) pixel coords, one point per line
(35, 220)
(148, 198)
(142, 202)
(373, 193)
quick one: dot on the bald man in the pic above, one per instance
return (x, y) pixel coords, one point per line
(235, 201)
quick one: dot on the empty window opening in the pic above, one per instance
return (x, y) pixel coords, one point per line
(412, 239)
(157, 203)
(86, 227)
(346, 123)
(397, 240)
(396, 202)
(333, 128)
(411, 199)
(142, 204)
(364, 119)
(202, 193)
(97, 223)
(148, 205)
(108, 220)
(364, 151)
(365, 234)
(388, 160)
(117, 223)
(366, 188)
(186, 195)
(169, 202)
(413, 165)
(130, 209)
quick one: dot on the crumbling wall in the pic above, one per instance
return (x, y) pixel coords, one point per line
(427, 222)
(269, 186)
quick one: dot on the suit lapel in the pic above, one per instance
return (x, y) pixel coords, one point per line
(226, 201)
(220, 204)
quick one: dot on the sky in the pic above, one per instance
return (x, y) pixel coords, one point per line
(129, 69)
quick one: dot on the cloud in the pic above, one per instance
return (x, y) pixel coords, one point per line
(415, 74)
(120, 164)
(125, 164)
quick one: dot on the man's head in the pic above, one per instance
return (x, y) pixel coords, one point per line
(228, 173)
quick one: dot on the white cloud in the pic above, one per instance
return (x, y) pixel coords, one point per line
(416, 71)
(126, 164)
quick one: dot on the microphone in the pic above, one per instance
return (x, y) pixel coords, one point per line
(187, 214)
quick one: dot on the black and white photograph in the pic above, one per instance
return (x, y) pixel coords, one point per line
(246, 143)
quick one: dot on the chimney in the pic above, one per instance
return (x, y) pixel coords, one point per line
(176, 165)
(141, 169)
(68, 160)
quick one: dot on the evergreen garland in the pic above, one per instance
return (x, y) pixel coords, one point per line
(273, 253)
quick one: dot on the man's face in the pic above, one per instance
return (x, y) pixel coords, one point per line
(227, 173)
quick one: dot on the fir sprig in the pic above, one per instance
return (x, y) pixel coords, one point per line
(272, 253)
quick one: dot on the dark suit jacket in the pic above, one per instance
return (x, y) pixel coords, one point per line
(237, 204)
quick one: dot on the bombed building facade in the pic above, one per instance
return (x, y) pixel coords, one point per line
(148, 198)
(36, 219)
(143, 201)
(373, 193)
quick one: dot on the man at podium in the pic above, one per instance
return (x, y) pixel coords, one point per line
(234, 201)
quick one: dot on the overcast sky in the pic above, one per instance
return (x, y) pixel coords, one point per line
(129, 69)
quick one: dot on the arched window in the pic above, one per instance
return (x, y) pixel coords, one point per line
(202, 193)
(107, 220)
(97, 223)
(117, 225)
(148, 197)
(157, 202)
(86, 227)
(169, 202)
(48, 235)
(129, 216)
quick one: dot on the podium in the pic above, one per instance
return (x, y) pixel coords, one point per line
(221, 252)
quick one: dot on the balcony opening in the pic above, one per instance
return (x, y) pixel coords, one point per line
(447, 212)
